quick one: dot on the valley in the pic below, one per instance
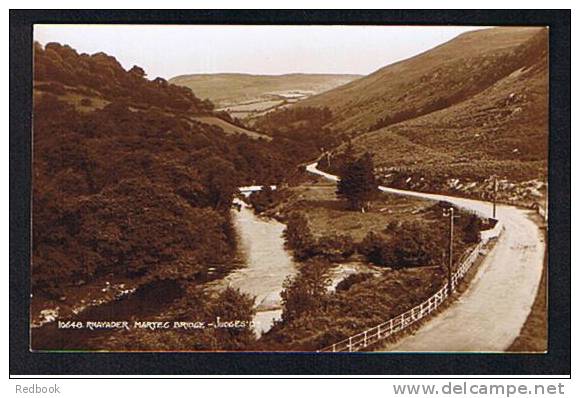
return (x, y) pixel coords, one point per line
(247, 97)
(138, 211)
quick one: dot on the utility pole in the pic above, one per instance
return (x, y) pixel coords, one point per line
(327, 154)
(494, 195)
(450, 213)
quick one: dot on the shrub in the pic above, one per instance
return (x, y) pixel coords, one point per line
(353, 279)
(306, 292)
(409, 244)
(263, 199)
(334, 248)
(300, 239)
(472, 229)
(298, 236)
(375, 248)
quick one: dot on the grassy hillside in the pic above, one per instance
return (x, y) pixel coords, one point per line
(436, 79)
(246, 96)
(230, 128)
(493, 118)
(503, 125)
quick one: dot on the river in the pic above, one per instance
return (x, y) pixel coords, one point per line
(268, 264)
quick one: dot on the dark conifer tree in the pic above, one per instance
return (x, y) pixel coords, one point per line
(357, 182)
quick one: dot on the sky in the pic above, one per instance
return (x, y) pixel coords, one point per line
(170, 50)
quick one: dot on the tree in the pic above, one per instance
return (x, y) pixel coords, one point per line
(220, 181)
(410, 244)
(472, 229)
(305, 293)
(137, 71)
(298, 236)
(357, 182)
(263, 199)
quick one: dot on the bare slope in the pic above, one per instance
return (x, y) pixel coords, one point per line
(433, 80)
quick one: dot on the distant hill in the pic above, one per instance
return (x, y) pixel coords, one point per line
(245, 95)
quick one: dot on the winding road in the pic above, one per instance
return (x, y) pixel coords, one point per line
(490, 314)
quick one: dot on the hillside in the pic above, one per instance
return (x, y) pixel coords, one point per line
(129, 189)
(108, 141)
(476, 114)
(246, 96)
(433, 80)
(506, 123)
(230, 128)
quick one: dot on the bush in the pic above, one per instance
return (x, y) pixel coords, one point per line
(334, 248)
(409, 244)
(306, 292)
(298, 236)
(263, 199)
(375, 248)
(300, 239)
(353, 279)
(472, 229)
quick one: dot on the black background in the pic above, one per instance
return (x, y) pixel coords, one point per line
(555, 362)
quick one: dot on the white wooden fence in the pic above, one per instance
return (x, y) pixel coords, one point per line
(401, 322)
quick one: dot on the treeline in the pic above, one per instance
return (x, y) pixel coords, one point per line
(103, 74)
(400, 245)
(304, 125)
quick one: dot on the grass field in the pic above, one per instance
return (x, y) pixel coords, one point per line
(328, 215)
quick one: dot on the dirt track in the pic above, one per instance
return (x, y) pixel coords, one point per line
(489, 315)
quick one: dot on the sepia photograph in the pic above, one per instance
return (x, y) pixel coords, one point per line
(289, 188)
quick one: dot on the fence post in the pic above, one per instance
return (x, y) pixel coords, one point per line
(350, 344)
(365, 340)
(334, 348)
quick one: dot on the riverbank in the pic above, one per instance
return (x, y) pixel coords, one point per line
(327, 215)
(362, 296)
